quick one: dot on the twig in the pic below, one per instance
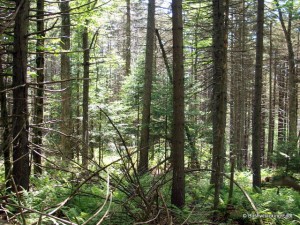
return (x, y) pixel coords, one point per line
(105, 214)
(60, 205)
(108, 195)
(146, 222)
(166, 208)
(43, 31)
(239, 186)
(55, 82)
(188, 216)
(19, 200)
(40, 213)
(12, 19)
(142, 194)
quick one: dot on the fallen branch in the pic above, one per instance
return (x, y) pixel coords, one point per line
(239, 186)
(42, 214)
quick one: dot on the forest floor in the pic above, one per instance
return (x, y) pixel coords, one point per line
(113, 195)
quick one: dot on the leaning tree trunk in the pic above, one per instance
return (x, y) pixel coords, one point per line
(20, 125)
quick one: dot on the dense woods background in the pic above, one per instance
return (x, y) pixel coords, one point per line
(159, 112)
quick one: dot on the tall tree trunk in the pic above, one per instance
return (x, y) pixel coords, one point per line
(248, 112)
(178, 181)
(219, 100)
(66, 124)
(237, 90)
(238, 94)
(169, 73)
(281, 106)
(5, 145)
(39, 98)
(128, 38)
(78, 121)
(272, 94)
(262, 129)
(257, 118)
(242, 91)
(85, 98)
(233, 150)
(20, 125)
(145, 131)
(191, 136)
(191, 140)
(292, 84)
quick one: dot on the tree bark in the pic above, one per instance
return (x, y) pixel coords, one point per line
(5, 145)
(219, 99)
(292, 84)
(66, 124)
(257, 118)
(272, 94)
(178, 181)
(85, 98)
(39, 98)
(145, 131)
(128, 38)
(281, 129)
(20, 125)
(164, 55)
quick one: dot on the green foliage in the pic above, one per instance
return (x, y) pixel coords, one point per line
(273, 208)
(288, 157)
(53, 188)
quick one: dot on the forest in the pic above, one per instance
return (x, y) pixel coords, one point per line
(149, 112)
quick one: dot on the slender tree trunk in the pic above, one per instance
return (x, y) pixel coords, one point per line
(257, 119)
(194, 162)
(5, 145)
(178, 181)
(281, 106)
(247, 131)
(20, 125)
(66, 124)
(78, 121)
(191, 136)
(39, 98)
(262, 129)
(164, 55)
(292, 84)
(145, 131)
(219, 100)
(191, 139)
(85, 98)
(271, 102)
(233, 153)
(169, 73)
(242, 92)
(128, 38)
